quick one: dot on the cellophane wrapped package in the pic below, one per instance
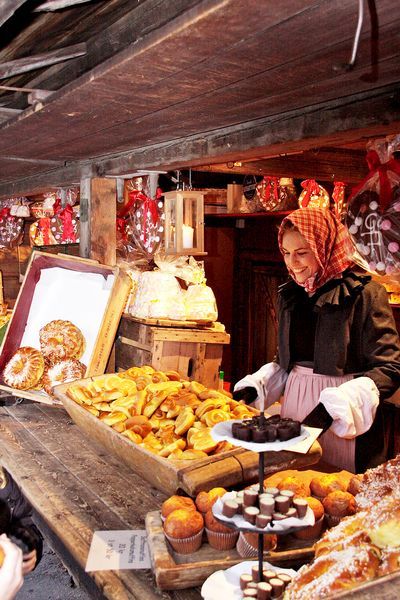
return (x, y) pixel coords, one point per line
(373, 212)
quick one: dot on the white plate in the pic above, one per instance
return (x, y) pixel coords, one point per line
(223, 432)
(225, 585)
(280, 527)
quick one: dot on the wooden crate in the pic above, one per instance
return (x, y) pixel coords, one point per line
(196, 353)
(229, 469)
(173, 571)
(101, 341)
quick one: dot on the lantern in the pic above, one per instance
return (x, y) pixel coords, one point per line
(184, 222)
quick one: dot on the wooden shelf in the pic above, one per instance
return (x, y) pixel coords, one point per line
(240, 215)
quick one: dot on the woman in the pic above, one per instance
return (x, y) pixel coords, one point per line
(338, 348)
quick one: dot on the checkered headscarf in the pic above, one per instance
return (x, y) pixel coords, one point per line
(328, 240)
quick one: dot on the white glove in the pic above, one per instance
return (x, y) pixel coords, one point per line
(269, 382)
(11, 578)
(352, 406)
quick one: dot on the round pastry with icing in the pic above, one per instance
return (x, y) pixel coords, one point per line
(62, 372)
(60, 340)
(24, 369)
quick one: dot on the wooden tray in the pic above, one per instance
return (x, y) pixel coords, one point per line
(194, 323)
(233, 468)
(174, 571)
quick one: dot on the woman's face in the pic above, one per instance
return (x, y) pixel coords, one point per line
(298, 256)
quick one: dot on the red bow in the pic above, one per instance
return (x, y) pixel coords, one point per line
(121, 228)
(271, 185)
(312, 189)
(385, 188)
(149, 206)
(4, 213)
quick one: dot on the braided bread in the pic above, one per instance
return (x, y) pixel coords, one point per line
(62, 372)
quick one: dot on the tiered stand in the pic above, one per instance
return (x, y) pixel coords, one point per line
(261, 464)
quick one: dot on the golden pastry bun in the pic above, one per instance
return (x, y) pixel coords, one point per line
(212, 524)
(339, 504)
(316, 506)
(205, 500)
(183, 523)
(322, 486)
(299, 488)
(354, 484)
(176, 502)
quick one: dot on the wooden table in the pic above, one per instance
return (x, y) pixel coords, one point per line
(76, 489)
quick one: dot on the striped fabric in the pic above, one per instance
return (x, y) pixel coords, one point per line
(328, 239)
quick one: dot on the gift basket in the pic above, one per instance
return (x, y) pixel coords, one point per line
(274, 194)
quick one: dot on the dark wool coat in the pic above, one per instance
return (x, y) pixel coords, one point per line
(355, 333)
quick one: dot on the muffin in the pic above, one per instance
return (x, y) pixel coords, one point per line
(247, 544)
(205, 500)
(338, 505)
(322, 486)
(184, 530)
(219, 536)
(313, 531)
(295, 485)
(174, 502)
(354, 484)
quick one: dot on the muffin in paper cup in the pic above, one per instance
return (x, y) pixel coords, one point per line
(186, 545)
(247, 550)
(312, 532)
(222, 541)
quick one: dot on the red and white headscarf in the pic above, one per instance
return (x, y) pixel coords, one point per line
(328, 239)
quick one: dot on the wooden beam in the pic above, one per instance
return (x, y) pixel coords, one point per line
(38, 61)
(8, 8)
(354, 118)
(52, 5)
(8, 113)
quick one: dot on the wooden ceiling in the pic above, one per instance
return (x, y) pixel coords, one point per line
(162, 84)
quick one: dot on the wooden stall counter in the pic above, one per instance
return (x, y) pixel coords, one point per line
(76, 488)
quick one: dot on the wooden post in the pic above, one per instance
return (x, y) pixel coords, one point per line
(98, 218)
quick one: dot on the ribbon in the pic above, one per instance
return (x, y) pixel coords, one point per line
(68, 231)
(338, 196)
(385, 187)
(312, 189)
(271, 186)
(149, 206)
(4, 213)
(44, 228)
(121, 228)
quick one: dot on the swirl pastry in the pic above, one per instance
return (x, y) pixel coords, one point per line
(60, 340)
(62, 372)
(24, 369)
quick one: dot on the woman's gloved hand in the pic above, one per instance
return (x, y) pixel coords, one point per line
(247, 394)
(319, 417)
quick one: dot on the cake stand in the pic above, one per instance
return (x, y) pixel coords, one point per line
(261, 450)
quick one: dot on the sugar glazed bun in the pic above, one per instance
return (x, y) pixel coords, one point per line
(24, 369)
(354, 484)
(62, 372)
(332, 573)
(295, 485)
(322, 486)
(205, 500)
(183, 523)
(60, 340)
(176, 502)
(339, 504)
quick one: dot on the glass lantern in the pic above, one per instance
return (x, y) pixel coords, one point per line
(184, 222)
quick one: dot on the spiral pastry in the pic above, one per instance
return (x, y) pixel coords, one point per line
(60, 340)
(62, 372)
(24, 369)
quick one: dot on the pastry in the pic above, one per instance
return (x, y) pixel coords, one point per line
(24, 369)
(334, 572)
(62, 372)
(219, 536)
(205, 500)
(60, 340)
(322, 486)
(184, 529)
(247, 544)
(313, 531)
(337, 505)
(292, 483)
(174, 503)
(354, 484)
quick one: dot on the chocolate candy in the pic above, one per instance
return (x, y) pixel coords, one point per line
(282, 503)
(230, 508)
(260, 430)
(250, 513)
(262, 521)
(277, 587)
(250, 497)
(301, 506)
(264, 590)
(267, 506)
(244, 580)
